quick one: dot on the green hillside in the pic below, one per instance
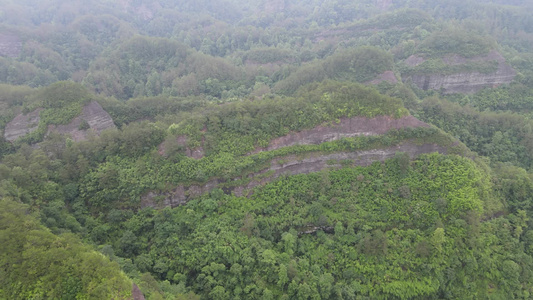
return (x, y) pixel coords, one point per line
(266, 149)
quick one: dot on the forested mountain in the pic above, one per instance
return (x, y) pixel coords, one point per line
(266, 149)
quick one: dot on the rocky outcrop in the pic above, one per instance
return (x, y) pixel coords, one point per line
(196, 153)
(10, 45)
(387, 76)
(414, 60)
(347, 127)
(299, 164)
(95, 116)
(136, 293)
(288, 165)
(463, 82)
(22, 125)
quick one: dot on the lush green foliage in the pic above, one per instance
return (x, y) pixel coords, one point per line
(517, 98)
(240, 127)
(120, 182)
(455, 41)
(437, 66)
(149, 108)
(367, 232)
(360, 65)
(504, 137)
(223, 78)
(36, 264)
(62, 102)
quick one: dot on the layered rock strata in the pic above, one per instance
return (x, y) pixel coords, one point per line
(463, 82)
(95, 116)
(22, 125)
(347, 127)
(288, 165)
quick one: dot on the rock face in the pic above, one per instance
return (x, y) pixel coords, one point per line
(348, 127)
(136, 293)
(22, 125)
(291, 165)
(288, 165)
(196, 153)
(10, 45)
(387, 76)
(467, 82)
(95, 116)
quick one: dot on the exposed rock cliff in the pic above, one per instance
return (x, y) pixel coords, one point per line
(22, 125)
(300, 164)
(387, 76)
(463, 82)
(95, 116)
(288, 165)
(347, 127)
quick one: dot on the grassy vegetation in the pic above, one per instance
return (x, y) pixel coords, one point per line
(225, 78)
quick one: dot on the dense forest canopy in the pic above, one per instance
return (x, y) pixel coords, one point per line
(266, 149)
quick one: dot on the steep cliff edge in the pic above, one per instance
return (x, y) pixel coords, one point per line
(306, 162)
(467, 81)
